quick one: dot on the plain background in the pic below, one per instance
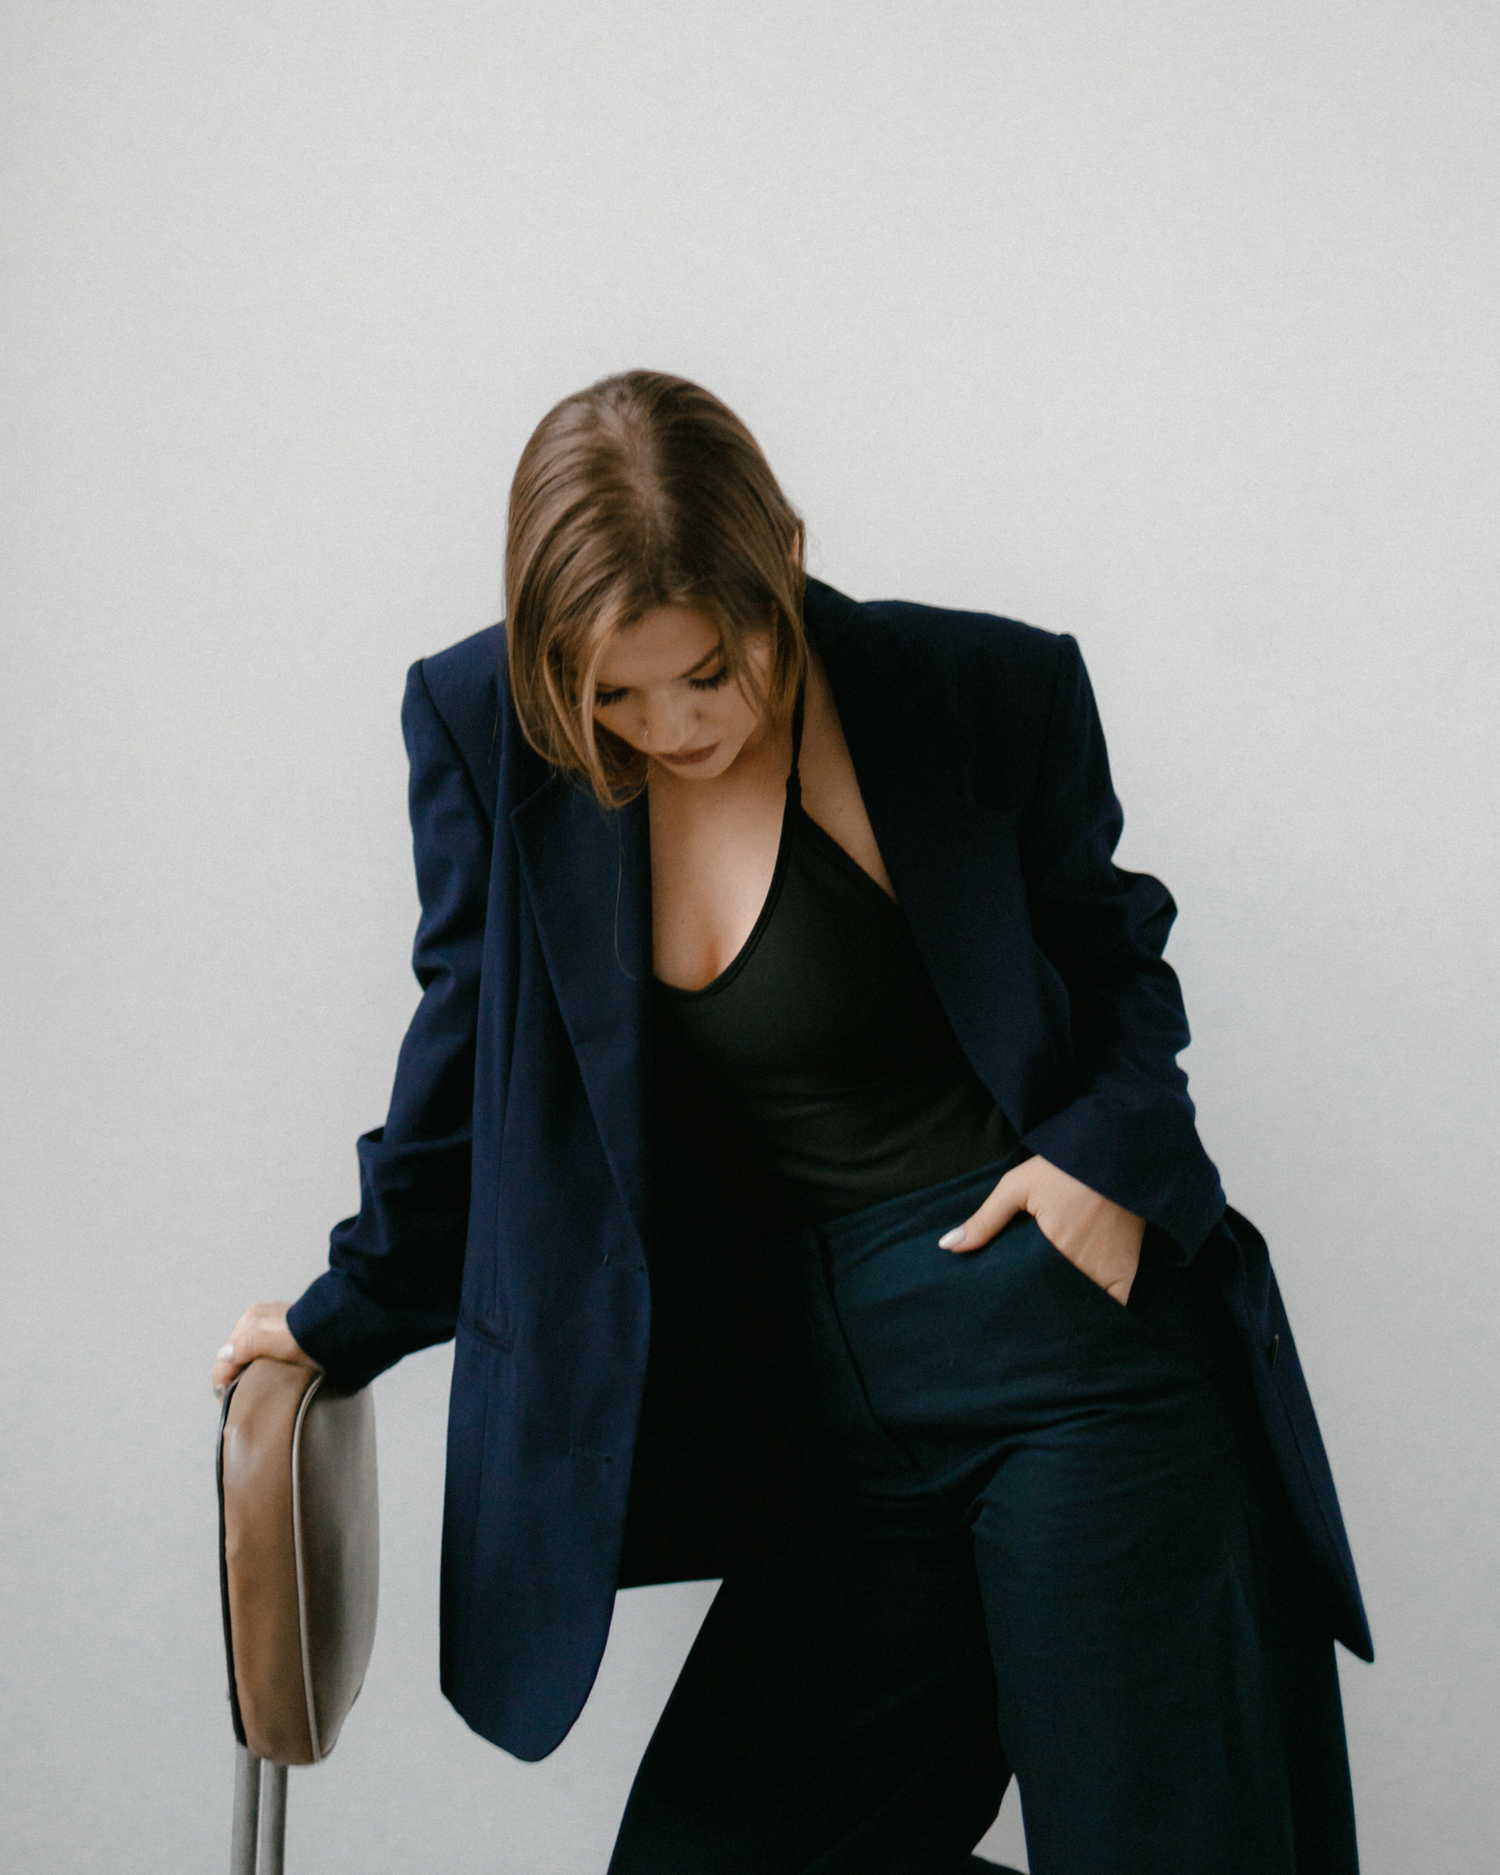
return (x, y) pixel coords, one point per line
(1170, 325)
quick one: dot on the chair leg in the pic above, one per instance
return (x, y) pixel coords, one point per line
(272, 1819)
(246, 1812)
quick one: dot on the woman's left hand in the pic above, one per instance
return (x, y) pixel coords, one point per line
(1100, 1237)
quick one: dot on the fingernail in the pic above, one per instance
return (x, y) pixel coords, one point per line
(953, 1239)
(218, 1393)
(226, 1353)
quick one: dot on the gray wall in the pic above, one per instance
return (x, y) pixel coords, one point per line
(1169, 325)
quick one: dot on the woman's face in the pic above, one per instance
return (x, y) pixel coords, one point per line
(664, 688)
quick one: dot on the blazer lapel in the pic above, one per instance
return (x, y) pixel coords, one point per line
(588, 875)
(954, 863)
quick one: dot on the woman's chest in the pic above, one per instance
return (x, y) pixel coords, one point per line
(714, 857)
(713, 867)
(712, 862)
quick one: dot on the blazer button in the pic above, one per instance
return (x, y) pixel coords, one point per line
(1273, 1348)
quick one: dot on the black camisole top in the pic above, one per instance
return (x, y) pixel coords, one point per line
(824, 1044)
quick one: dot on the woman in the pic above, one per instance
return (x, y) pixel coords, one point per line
(791, 1133)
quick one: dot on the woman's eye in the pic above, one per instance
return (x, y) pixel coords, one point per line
(710, 683)
(603, 698)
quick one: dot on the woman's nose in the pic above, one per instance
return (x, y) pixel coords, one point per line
(666, 726)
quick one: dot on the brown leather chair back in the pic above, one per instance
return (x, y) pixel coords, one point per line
(299, 1556)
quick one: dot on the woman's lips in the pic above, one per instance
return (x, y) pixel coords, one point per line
(688, 758)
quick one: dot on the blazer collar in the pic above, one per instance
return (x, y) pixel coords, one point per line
(953, 864)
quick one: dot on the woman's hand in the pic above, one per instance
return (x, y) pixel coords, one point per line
(1100, 1237)
(261, 1333)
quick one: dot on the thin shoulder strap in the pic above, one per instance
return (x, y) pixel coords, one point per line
(794, 779)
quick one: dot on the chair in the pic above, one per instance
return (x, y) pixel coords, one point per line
(299, 1568)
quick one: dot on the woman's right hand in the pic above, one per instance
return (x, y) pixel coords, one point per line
(261, 1333)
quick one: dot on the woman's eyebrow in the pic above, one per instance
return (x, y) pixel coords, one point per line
(707, 658)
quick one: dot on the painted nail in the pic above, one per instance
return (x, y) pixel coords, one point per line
(953, 1239)
(226, 1353)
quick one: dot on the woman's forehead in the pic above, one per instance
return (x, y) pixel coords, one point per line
(666, 644)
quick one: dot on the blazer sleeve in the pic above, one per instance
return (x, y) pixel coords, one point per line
(395, 1269)
(1128, 1130)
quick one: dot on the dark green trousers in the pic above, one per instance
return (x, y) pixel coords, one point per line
(1039, 1535)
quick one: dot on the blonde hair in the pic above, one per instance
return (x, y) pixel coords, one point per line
(642, 491)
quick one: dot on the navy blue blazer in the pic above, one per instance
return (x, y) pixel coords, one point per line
(515, 1196)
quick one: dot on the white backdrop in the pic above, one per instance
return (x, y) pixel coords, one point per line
(1170, 325)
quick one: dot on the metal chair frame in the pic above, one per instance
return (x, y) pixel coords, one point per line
(258, 1845)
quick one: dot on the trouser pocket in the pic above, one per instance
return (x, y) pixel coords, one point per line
(823, 1390)
(959, 1352)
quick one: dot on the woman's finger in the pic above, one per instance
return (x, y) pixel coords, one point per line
(233, 1358)
(261, 1333)
(242, 1347)
(1008, 1198)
